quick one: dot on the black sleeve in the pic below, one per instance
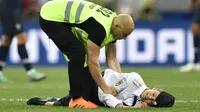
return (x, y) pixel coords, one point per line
(94, 29)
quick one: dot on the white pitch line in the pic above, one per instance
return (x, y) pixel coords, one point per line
(24, 100)
(184, 101)
(13, 99)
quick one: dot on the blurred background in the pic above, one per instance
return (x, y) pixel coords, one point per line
(161, 42)
(151, 10)
(162, 36)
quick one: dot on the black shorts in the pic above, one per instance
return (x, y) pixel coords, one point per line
(62, 36)
(11, 17)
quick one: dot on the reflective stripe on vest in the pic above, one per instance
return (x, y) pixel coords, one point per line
(78, 11)
(67, 11)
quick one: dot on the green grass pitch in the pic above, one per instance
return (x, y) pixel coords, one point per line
(13, 94)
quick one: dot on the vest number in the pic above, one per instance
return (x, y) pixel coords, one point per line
(104, 11)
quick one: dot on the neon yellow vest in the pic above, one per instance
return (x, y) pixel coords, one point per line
(78, 11)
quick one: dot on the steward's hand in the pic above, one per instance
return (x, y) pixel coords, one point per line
(110, 90)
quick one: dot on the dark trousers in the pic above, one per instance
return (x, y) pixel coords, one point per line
(80, 79)
(11, 17)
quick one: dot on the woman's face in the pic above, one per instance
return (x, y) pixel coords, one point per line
(149, 96)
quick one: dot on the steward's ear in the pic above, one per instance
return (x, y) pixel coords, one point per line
(116, 26)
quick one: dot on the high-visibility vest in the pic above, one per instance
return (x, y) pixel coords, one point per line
(78, 11)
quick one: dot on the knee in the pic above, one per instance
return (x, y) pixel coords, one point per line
(80, 54)
(195, 29)
(6, 41)
(76, 54)
(21, 38)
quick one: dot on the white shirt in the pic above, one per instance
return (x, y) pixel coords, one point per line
(128, 85)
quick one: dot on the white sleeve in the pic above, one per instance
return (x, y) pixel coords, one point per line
(109, 99)
(138, 80)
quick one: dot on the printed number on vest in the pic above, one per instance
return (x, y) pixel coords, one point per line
(104, 11)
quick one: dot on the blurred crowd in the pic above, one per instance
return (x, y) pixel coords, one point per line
(139, 9)
(31, 8)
